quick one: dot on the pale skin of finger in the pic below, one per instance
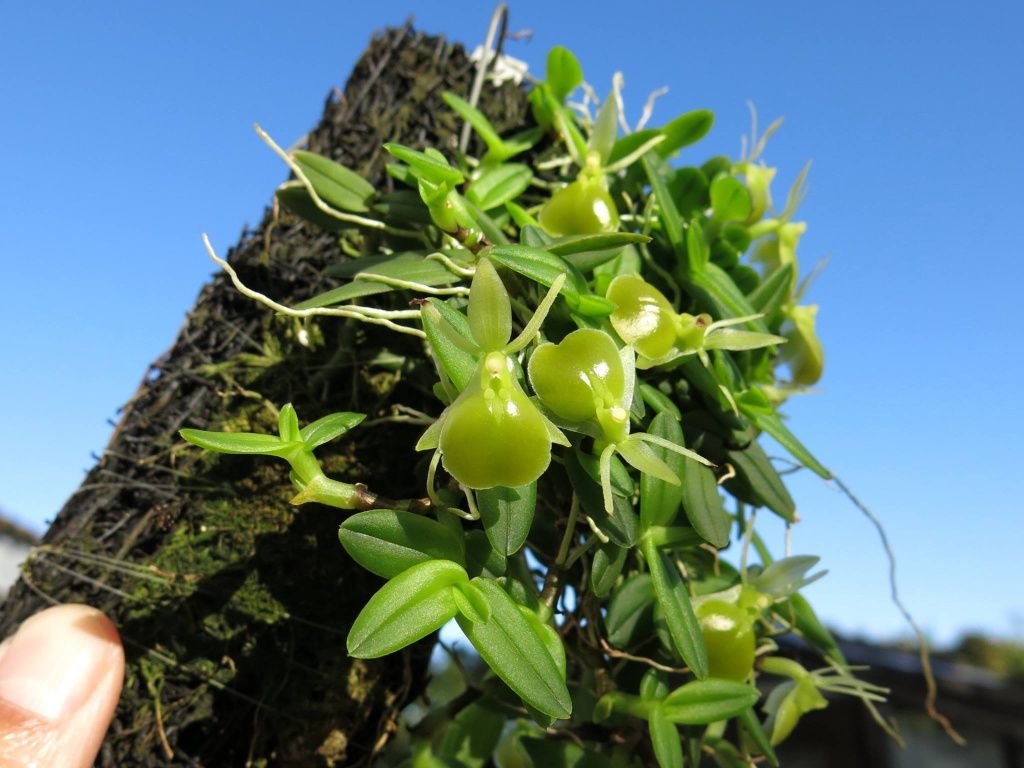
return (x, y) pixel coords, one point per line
(60, 678)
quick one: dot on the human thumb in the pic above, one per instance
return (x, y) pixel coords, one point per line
(60, 678)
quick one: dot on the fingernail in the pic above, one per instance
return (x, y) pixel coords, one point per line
(55, 659)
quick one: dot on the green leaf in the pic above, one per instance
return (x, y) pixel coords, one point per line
(472, 736)
(515, 653)
(294, 196)
(492, 231)
(499, 185)
(334, 183)
(288, 424)
(630, 143)
(622, 526)
(556, 753)
(602, 241)
(758, 481)
(326, 428)
(755, 406)
(540, 266)
(630, 611)
(730, 200)
(773, 292)
(689, 188)
(685, 130)
(236, 442)
(703, 504)
(471, 603)
(434, 169)
(668, 214)
(668, 747)
(654, 685)
(442, 328)
(409, 607)
(658, 400)
(749, 722)
(564, 73)
(507, 514)
(388, 542)
(481, 558)
(402, 208)
(799, 612)
(478, 120)
(702, 702)
(697, 252)
(720, 296)
(410, 267)
(609, 560)
(674, 600)
(659, 500)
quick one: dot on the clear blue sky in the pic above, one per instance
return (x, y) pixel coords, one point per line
(126, 131)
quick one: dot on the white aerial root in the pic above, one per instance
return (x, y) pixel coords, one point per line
(365, 314)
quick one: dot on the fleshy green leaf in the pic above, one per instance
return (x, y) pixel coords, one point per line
(659, 500)
(674, 600)
(334, 183)
(409, 607)
(798, 611)
(703, 504)
(773, 292)
(288, 424)
(630, 611)
(668, 214)
(758, 482)
(540, 266)
(236, 442)
(326, 428)
(756, 407)
(471, 603)
(606, 568)
(472, 736)
(730, 200)
(499, 185)
(721, 297)
(707, 701)
(668, 747)
(564, 73)
(481, 558)
(697, 251)
(749, 722)
(434, 169)
(409, 267)
(516, 654)
(294, 196)
(658, 400)
(602, 241)
(622, 526)
(507, 514)
(388, 542)
(630, 143)
(479, 121)
(557, 753)
(685, 130)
